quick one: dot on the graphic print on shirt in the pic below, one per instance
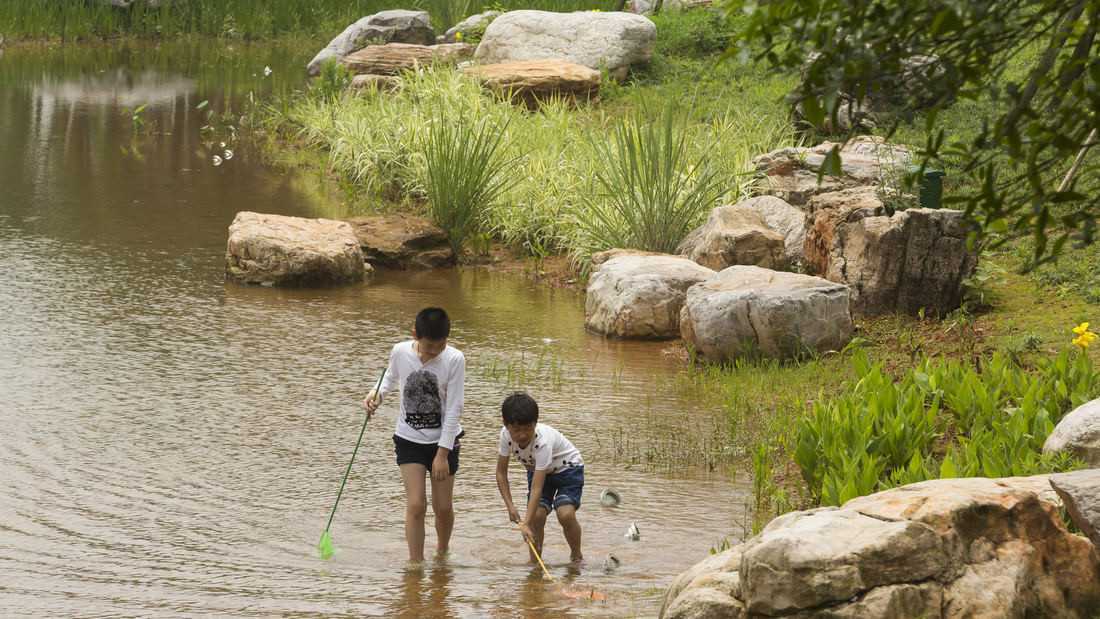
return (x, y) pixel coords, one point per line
(423, 404)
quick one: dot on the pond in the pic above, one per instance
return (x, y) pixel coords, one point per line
(172, 443)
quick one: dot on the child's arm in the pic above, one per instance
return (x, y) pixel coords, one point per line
(389, 381)
(452, 410)
(538, 480)
(505, 488)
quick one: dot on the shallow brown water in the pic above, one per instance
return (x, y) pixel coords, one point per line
(171, 444)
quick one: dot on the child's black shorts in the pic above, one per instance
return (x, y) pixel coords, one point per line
(409, 452)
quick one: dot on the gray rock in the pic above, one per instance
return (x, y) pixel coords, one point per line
(734, 235)
(789, 221)
(471, 23)
(747, 311)
(1080, 492)
(613, 41)
(640, 296)
(396, 26)
(402, 242)
(792, 173)
(276, 250)
(1078, 432)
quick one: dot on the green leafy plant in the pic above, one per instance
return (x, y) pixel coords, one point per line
(333, 80)
(651, 192)
(465, 172)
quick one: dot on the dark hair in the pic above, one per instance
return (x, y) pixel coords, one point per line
(433, 324)
(519, 409)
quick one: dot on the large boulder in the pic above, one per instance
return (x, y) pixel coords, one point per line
(747, 311)
(532, 82)
(1080, 493)
(912, 260)
(396, 26)
(402, 242)
(1079, 433)
(614, 41)
(275, 250)
(792, 173)
(734, 235)
(937, 549)
(789, 221)
(393, 58)
(640, 296)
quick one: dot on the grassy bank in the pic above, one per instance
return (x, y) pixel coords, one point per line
(70, 20)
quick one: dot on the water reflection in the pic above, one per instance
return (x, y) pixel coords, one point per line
(117, 87)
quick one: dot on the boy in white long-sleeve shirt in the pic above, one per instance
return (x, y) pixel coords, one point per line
(429, 375)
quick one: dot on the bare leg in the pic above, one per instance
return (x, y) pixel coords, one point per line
(416, 504)
(443, 508)
(567, 516)
(538, 528)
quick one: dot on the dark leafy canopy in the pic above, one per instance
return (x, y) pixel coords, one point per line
(1035, 61)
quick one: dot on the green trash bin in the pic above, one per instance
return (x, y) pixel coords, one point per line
(931, 187)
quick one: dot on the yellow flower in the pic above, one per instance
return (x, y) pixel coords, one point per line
(1084, 336)
(458, 36)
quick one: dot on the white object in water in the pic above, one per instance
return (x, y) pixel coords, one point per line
(611, 563)
(217, 160)
(610, 498)
(632, 532)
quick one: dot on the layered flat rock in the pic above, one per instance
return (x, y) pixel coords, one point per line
(748, 311)
(614, 41)
(403, 242)
(534, 81)
(394, 58)
(939, 549)
(396, 26)
(276, 250)
(640, 296)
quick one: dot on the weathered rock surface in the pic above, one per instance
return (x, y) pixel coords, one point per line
(640, 296)
(944, 548)
(792, 173)
(1078, 432)
(615, 41)
(647, 6)
(789, 221)
(275, 250)
(393, 58)
(911, 260)
(402, 242)
(534, 81)
(1080, 493)
(746, 311)
(396, 26)
(472, 23)
(383, 83)
(734, 235)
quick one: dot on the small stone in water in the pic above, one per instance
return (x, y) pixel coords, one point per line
(217, 160)
(228, 154)
(632, 532)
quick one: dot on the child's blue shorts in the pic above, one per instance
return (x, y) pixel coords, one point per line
(561, 488)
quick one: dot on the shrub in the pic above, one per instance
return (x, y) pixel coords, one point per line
(465, 172)
(942, 419)
(651, 191)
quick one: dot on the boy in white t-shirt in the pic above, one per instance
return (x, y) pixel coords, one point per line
(429, 375)
(555, 473)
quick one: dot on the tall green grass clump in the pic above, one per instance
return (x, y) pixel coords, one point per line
(943, 419)
(653, 190)
(466, 169)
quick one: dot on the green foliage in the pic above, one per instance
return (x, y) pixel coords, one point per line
(652, 191)
(332, 81)
(1034, 63)
(942, 419)
(466, 171)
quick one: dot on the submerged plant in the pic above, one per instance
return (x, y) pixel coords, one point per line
(465, 172)
(651, 192)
